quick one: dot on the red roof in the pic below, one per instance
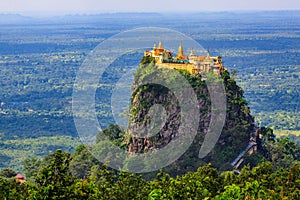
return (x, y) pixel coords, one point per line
(20, 176)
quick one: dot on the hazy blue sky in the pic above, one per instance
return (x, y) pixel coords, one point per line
(97, 6)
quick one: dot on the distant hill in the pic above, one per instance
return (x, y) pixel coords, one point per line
(148, 17)
(79, 18)
(14, 19)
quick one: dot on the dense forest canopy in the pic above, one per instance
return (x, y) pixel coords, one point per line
(56, 179)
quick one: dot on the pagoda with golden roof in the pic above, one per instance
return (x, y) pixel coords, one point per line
(195, 64)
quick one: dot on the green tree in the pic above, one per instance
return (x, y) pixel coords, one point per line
(8, 173)
(267, 134)
(31, 167)
(55, 180)
(82, 162)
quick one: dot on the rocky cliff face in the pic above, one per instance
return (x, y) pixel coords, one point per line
(154, 101)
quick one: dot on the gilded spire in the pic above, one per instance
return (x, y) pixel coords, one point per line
(192, 52)
(154, 46)
(180, 51)
(160, 45)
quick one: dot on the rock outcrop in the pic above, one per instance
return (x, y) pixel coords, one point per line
(154, 101)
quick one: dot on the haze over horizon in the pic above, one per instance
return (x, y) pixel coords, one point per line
(62, 7)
